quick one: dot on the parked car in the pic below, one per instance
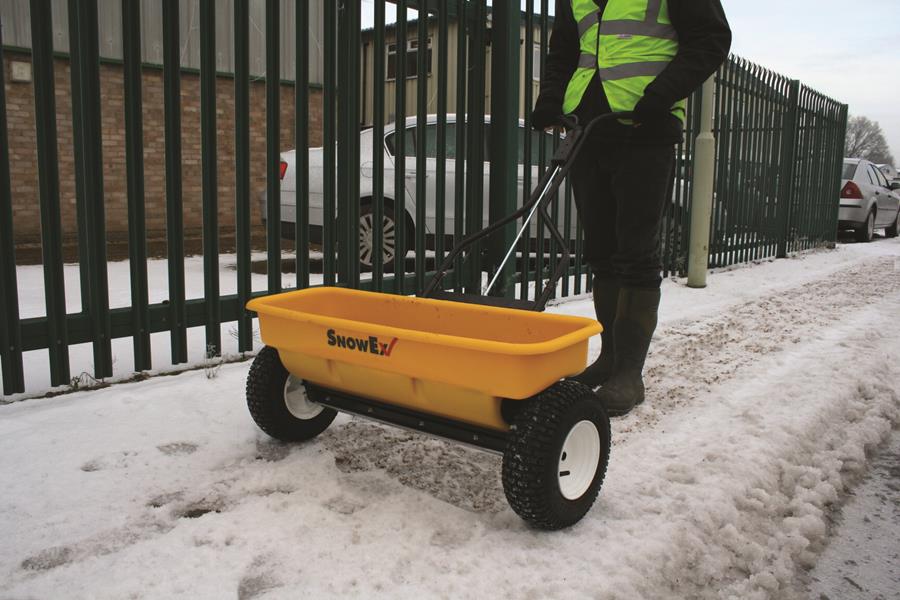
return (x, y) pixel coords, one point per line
(366, 184)
(868, 200)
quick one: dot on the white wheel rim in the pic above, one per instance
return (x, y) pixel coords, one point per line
(870, 225)
(579, 460)
(366, 234)
(297, 402)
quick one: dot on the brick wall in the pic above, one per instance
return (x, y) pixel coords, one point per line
(23, 152)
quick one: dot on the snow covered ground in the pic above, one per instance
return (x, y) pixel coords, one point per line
(767, 394)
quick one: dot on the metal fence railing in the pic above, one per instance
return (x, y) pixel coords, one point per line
(445, 87)
(779, 154)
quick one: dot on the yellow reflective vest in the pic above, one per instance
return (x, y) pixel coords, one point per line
(627, 48)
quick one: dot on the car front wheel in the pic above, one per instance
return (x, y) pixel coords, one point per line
(388, 237)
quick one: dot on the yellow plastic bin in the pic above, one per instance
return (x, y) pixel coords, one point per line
(444, 358)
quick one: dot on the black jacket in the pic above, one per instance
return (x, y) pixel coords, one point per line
(704, 39)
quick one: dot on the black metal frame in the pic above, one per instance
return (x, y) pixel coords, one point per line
(546, 188)
(472, 435)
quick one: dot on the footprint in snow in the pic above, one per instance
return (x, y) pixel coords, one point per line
(115, 460)
(343, 505)
(178, 448)
(272, 450)
(50, 558)
(257, 580)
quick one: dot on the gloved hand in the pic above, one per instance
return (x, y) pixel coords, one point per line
(651, 109)
(546, 114)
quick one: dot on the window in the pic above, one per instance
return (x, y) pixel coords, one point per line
(409, 142)
(412, 59)
(876, 176)
(849, 170)
(871, 177)
(536, 63)
(431, 149)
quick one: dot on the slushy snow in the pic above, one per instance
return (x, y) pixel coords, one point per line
(767, 393)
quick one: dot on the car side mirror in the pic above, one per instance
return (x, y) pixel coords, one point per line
(895, 185)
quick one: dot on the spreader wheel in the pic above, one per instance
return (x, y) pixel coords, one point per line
(279, 402)
(556, 456)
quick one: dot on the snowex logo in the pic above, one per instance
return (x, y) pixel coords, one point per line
(370, 345)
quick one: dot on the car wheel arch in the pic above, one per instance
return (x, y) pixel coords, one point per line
(391, 203)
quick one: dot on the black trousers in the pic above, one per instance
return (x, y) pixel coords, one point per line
(621, 191)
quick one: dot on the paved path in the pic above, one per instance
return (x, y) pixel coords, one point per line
(862, 561)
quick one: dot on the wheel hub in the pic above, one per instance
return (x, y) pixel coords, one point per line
(579, 460)
(366, 239)
(297, 402)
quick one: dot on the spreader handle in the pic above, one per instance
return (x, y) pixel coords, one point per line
(547, 188)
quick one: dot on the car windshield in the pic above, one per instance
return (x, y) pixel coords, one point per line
(849, 170)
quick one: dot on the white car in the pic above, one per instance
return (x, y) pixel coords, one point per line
(410, 200)
(868, 201)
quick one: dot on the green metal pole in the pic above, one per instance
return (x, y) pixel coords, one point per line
(242, 170)
(505, 48)
(273, 146)
(348, 169)
(134, 166)
(788, 166)
(475, 152)
(301, 143)
(441, 174)
(48, 182)
(209, 177)
(421, 144)
(329, 96)
(702, 196)
(174, 201)
(11, 330)
(84, 41)
(400, 151)
(461, 137)
(378, 117)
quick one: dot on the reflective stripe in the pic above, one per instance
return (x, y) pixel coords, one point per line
(625, 27)
(587, 22)
(642, 69)
(653, 9)
(587, 61)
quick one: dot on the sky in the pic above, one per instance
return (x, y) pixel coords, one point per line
(847, 50)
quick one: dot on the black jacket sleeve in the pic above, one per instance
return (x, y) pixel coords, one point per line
(562, 59)
(704, 39)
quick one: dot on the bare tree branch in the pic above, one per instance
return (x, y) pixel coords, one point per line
(865, 139)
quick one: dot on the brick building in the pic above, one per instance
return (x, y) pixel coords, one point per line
(21, 115)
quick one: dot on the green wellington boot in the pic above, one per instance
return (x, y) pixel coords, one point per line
(635, 322)
(606, 298)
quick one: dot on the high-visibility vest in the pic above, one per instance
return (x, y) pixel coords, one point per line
(627, 48)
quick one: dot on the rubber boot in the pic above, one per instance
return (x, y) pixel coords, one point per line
(606, 299)
(635, 323)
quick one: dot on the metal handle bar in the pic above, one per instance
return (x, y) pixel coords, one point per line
(546, 188)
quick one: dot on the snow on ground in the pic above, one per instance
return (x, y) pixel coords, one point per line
(767, 392)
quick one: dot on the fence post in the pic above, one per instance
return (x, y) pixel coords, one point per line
(10, 328)
(702, 193)
(788, 164)
(505, 50)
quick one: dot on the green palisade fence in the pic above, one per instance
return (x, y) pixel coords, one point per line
(457, 75)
